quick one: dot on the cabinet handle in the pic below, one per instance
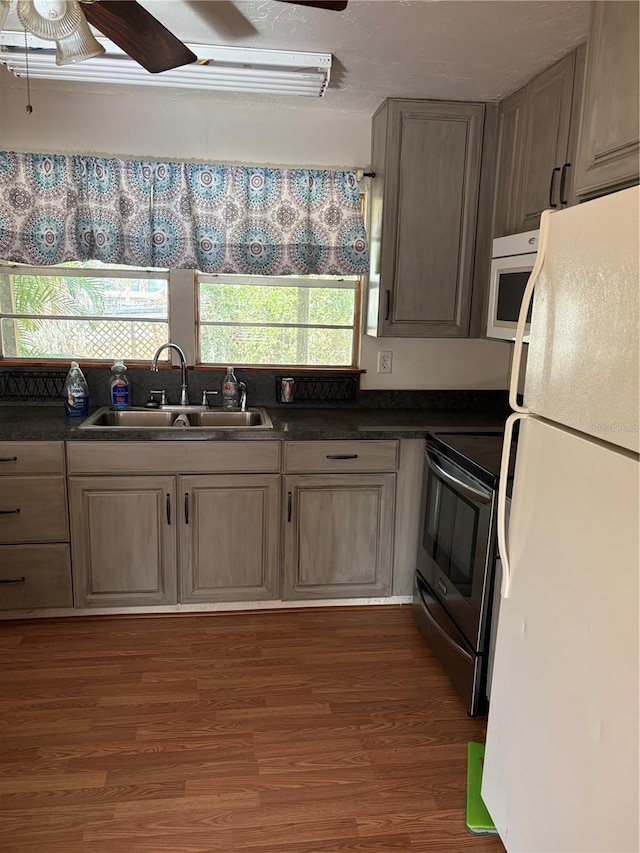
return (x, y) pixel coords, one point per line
(9, 511)
(552, 186)
(387, 309)
(289, 505)
(13, 580)
(168, 508)
(342, 456)
(563, 181)
(8, 458)
(186, 507)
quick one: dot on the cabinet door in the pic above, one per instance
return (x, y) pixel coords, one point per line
(339, 535)
(431, 174)
(549, 99)
(511, 130)
(229, 537)
(123, 540)
(608, 142)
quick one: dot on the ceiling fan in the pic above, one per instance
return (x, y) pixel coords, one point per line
(125, 22)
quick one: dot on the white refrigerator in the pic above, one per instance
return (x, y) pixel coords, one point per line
(561, 762)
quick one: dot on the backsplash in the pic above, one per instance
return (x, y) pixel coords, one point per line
(261, 390)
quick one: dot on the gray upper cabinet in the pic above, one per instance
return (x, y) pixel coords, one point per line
(427, 159)
(608, 142)
(536, 143)
(546, 142)
(511, 130)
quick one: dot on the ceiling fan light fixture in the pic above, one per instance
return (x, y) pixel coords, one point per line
(79, 46)
(4, 11)
(220, 68)
(51, 20)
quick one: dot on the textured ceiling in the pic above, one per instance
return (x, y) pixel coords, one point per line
(445, 49)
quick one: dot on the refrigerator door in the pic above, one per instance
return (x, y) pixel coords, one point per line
(582, 365)
(561, 761)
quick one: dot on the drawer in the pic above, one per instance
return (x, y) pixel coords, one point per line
(31, 457)
(340, 456)
(35, 576)
(173, 457)
(33, 509)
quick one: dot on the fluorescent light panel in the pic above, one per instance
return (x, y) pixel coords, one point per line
(234, 69)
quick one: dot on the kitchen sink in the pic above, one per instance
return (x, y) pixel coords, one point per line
(197, 417)
(248, 418)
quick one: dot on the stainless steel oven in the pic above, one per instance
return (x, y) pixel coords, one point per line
(455, 564)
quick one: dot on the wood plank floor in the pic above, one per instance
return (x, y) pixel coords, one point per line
(314, 731)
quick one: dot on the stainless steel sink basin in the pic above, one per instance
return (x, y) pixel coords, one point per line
(249, 418)
(130, 418)
(197, 417)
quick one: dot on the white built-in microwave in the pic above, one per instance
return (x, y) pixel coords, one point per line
(511, 264)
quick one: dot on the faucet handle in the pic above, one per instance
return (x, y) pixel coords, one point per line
(206, 395)
(162, 394)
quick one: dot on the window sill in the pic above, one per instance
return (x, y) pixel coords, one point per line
(58, 364)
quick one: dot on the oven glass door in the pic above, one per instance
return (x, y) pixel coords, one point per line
(456, 549)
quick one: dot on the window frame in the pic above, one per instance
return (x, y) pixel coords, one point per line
(340, 282)
(182, 316)
(64, 270)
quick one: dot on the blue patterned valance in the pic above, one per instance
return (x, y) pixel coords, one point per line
(217, 219)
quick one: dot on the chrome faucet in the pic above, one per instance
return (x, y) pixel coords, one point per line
(184, 397)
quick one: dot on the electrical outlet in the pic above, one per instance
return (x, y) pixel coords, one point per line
(384, 361)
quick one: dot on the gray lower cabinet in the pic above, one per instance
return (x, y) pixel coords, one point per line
(427, 159)
(338, 540)
(229, 537)
(123, 540)
(608, 142)
(35, 568)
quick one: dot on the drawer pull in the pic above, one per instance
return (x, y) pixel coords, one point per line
(9, 511)
(8, 458)
(342, 456)
(13, 580)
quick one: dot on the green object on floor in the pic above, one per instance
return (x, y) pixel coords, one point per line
(478, 818)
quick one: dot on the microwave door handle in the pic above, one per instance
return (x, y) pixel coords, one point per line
(527, 296)
(458, 485)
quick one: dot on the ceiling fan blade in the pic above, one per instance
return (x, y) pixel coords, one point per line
(335, 6)
(138, 33)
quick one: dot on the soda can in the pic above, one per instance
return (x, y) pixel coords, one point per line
(286, 389)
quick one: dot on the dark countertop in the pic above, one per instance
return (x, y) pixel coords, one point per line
(40, 422)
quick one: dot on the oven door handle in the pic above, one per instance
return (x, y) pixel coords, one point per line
(425, 598)
(466, 489)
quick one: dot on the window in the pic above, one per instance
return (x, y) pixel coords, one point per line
(306, 321)
(96, 312)
(85, 311)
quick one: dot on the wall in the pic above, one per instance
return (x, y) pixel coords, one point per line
(196, 127)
